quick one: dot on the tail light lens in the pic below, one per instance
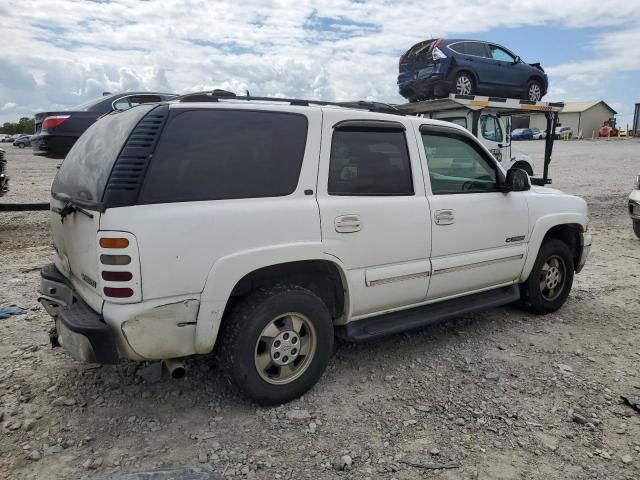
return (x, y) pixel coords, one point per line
(115, 259)
(108, 242)
(116, 276)
(54, 121)
(437, 54)
(118, 292)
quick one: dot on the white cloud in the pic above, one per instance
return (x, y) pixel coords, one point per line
(63, 53)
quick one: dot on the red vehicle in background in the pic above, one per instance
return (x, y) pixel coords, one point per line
(609, 129)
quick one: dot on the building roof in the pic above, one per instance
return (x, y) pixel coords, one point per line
(578, 107)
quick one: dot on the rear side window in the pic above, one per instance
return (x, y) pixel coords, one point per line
(84, 172)
(369, 162)
(225, 154)
(477, 49)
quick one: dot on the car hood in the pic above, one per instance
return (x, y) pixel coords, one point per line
(546, 190)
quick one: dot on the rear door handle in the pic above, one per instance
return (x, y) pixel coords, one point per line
(348, 223)
(445, 217)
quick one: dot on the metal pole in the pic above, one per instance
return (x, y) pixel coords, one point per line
(552, 123)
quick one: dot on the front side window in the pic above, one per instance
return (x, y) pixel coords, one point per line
(501, 54)
(456, 165)
(224, 154)
(491, 129)
(368, 161)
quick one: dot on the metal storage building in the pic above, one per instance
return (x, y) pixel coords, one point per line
(580, 116)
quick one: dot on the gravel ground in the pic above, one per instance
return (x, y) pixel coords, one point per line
(500, 394)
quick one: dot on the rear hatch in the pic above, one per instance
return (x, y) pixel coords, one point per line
(76, 203)
(416, 58)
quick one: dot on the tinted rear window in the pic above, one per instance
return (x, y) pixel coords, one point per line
(224, 154)
(84, 172)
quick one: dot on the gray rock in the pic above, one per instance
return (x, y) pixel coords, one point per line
(626, 459)
(434, 451)
(297, 415)
(34, 455)
(202, 457)
(60, 401)
(342, 463)
(13, 426)
(53, 450)
(459, 421)
(28, 424)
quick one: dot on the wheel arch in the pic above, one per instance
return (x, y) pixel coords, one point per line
(539, 79)
(565, 227)
(524, 165)
(233, 277)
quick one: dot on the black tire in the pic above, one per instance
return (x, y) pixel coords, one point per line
(20, 145)
(532, 87)
(243, 329)
(466, 79)
(533, 295)
(524, 166)
(636, 228)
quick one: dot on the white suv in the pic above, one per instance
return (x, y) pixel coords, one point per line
(266, 227)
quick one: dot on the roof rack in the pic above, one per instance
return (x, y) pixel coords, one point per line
(216, 95)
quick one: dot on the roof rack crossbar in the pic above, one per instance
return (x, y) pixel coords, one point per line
(216, 95)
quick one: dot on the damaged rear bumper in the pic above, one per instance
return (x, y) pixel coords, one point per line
(153, 330)
(78, 329)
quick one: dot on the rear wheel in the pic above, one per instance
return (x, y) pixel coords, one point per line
(534, 91)
(464, 84)
(551, 278)
(636, 228)
(276, 343)
(20, 145)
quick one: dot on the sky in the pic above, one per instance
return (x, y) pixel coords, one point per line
(57, 54)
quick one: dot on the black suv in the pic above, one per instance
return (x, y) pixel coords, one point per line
(434, 68)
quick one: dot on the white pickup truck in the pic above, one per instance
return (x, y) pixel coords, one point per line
(265, 227)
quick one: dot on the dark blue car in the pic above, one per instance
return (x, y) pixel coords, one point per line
(522, 134)
(434, 68)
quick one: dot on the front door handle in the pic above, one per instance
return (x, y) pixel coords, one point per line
(348, 223)
(445, 217)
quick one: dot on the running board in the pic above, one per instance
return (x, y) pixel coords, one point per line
(418, 317)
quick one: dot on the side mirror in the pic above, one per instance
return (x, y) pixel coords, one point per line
(517, 181)
(516, 60)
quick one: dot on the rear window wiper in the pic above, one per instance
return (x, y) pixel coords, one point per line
(69, 207)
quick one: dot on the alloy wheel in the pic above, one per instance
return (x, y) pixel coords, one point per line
(285, 348)
(463, 85)
(552, 277)
(534, 92)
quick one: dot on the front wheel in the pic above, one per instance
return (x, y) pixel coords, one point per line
(276, 343)
(20, 145)
(534, 91)
(551, 278)
(636, 228)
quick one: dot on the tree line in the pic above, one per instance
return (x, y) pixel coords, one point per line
(24, 125)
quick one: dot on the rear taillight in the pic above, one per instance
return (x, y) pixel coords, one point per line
(436, 53)
(54, 121)
(118, 292)
(119, 267)
(116, 276)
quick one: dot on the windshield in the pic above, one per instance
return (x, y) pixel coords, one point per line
(85, 171)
